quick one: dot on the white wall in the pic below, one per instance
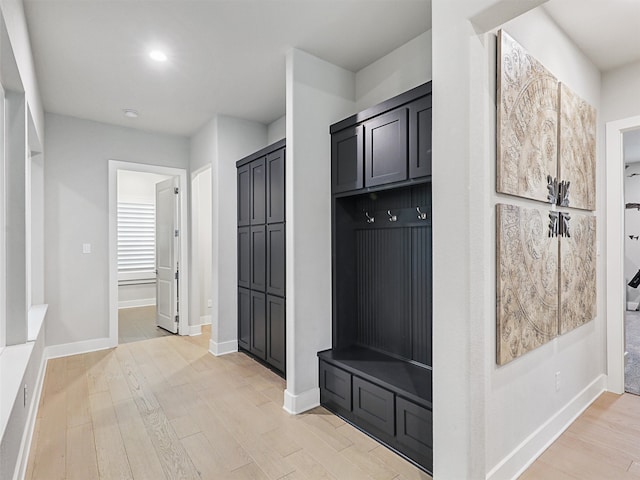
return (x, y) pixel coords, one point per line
(277, 130)
(76, 212)
(620, 98)
(408, 66)
(138, 187)
(492, 420)
(220, 143)
(201, 232)
(318, 94)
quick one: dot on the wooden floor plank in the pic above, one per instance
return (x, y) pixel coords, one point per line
(81, 461)
(110, 451)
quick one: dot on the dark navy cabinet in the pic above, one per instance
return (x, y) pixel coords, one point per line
(378, 373)
(261, 256)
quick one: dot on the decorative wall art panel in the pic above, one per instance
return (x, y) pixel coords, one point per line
(578, 272)
(527, 281)
(527, 122)
(577, 162)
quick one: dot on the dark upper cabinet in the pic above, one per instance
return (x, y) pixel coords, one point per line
(258, 176)
(346, 160)
(420, 137)
(258, 325)
(275, 186)
(244, 257)
(387, 144)
(385, 148)
(276, 348)
(258, 258)
(276, 259)
(244, 196)
(244, 318)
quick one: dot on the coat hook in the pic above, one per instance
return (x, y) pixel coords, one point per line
(369, 219)
(392, 218)
(421, 215)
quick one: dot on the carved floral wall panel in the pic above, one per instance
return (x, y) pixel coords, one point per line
(577, 162)
(527, 281)
(527, 127)
(578, 273)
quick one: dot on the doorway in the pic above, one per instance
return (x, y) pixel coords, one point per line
(631, 155)
(137, 278)
(136, 228)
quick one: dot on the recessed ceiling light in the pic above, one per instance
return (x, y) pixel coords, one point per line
(158, 55)
(130, 113)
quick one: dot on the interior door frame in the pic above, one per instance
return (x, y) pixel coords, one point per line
(614, 207)
(183, 253)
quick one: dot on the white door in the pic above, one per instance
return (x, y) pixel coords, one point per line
(167, 248)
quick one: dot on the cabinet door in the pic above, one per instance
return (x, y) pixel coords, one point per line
(258, 325)
(414, 431)
(335, 386)
(275, 186)
(276, 332)
(276, 259)
(244, 257)
(258, 176)
(385, 148)
(244, 318)
(346, 159)
(258, 258)
(244, 196)
(420, 137)
(374, 405)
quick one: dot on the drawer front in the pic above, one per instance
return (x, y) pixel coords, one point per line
(374, 405)
(335, 386)
(414, 426)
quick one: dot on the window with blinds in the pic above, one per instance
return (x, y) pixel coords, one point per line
(136, 240)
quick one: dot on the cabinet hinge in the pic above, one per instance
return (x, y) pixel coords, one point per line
(177, 318)
(176, 190)
(176, 233)
(177, 275)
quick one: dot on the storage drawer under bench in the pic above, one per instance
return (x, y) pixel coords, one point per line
(383, 413)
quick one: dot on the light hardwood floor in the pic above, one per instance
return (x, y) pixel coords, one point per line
(138, 323)
(166, 408)
(603, 443)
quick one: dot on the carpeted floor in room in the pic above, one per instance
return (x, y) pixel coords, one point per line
(632, 347)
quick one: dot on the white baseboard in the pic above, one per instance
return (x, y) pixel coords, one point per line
(514, 464)
(205, 320)
(75, 348)
(25, 446)
(223, 348)
(295, 404)
(140, 302)
(195, 330)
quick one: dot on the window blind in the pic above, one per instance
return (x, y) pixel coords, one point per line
(136, 237)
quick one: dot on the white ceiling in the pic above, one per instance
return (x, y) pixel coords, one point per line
(228, 56)
(225, 56)
(607, 31)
